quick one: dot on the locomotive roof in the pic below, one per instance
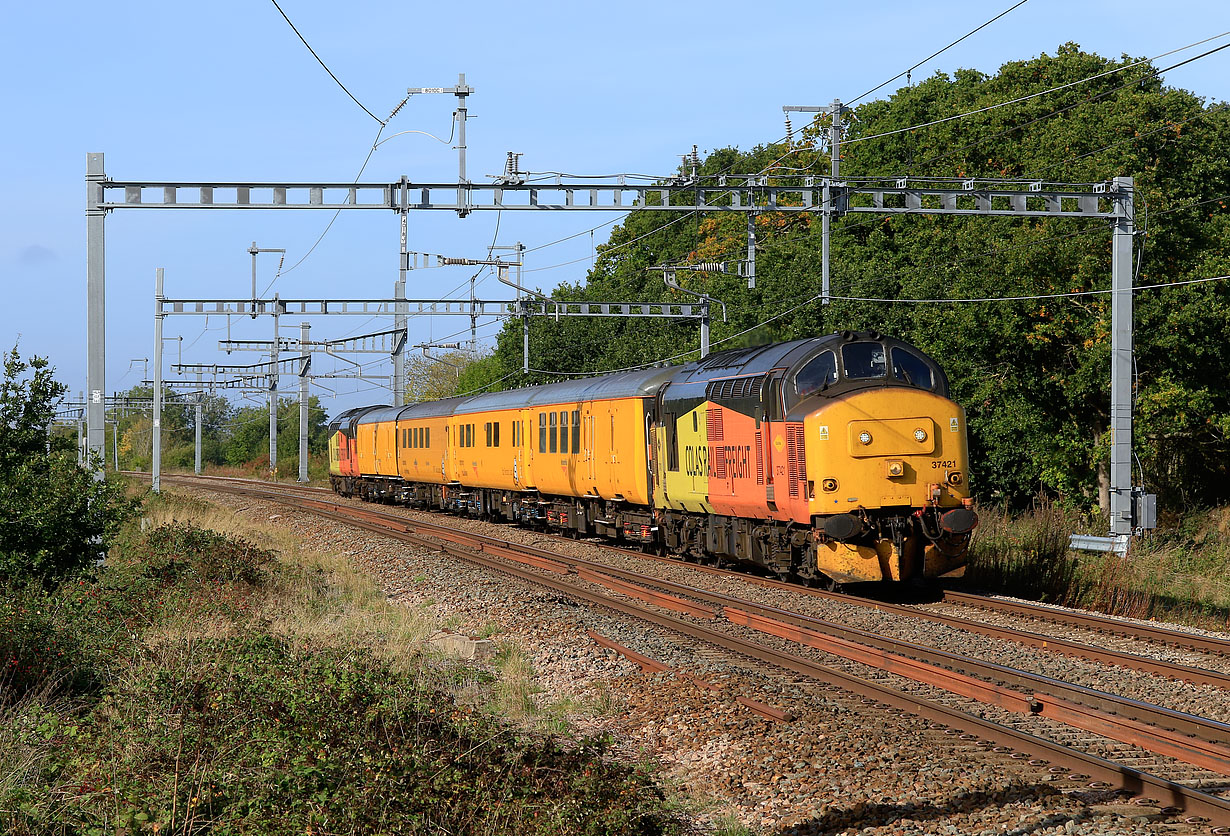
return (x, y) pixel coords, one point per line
(753, 360)
(642, 383)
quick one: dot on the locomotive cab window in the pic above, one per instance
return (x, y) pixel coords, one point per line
(863, 360)
(911, 368)
(819, 372)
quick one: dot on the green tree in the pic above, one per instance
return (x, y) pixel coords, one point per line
(55, 518)
(1033, 375)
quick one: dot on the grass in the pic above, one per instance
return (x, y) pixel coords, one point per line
(216, 677)
(1177, 573)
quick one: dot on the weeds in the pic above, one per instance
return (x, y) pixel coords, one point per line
(209, 683)
(1177, 574)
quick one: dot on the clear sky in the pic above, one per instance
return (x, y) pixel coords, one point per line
(226, 91)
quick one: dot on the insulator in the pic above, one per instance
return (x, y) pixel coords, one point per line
(789, 130)
(397, 109)
(709, 266)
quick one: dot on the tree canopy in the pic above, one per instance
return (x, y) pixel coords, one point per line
(1033, 375)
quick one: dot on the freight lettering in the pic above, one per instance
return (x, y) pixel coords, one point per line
(698, 460)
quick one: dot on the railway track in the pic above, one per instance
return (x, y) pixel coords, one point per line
(710, 617)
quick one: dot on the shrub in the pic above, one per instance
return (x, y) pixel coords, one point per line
(55, 518)
(255, 734)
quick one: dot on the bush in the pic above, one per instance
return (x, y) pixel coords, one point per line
(255, 734)
(55, 518)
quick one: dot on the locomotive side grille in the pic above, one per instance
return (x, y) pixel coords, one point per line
(717, 438)
(795, 459)
(759, 458)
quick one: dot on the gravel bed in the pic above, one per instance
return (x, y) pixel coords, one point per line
(838, 767)
(1125, 644)
(1203, 700)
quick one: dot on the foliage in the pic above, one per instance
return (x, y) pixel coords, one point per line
(254, 734)
(230, 435)
(1033, 374)
(1176, 574)
(55, 518)
(430, 378)
(238, 729)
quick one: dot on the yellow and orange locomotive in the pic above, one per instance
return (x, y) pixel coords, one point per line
(833, 459)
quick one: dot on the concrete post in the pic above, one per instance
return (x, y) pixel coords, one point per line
(200, 416)
(273, 395)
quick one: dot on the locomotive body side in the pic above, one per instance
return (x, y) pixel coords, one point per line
(343, 450)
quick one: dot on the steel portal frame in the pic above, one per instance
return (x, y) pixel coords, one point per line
(1113, 202)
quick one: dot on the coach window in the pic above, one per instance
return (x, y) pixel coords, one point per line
(542, 432)
(427, 436)
(563, 432)
(819, 372)
(495, 433)
(552, 438)
(576, 430)
(863, 360)
(487, 427)
(471, 435)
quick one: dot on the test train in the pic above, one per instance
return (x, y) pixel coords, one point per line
(834, 459)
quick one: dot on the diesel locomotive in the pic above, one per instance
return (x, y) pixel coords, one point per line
(835, 459)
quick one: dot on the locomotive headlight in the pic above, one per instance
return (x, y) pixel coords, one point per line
(864, 437)
(896, 467)
(920, 435)
(828, 485)
(954, 477)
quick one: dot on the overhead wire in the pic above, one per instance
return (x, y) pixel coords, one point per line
(777, 142)
(323, 64)
(906, 72)
(1049, 90)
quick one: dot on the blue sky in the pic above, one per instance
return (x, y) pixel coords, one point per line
(226, 91)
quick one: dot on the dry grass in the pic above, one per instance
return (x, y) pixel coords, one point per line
(323, 599)
(1178, 573)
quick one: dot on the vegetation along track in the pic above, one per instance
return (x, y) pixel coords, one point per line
(1187, 738)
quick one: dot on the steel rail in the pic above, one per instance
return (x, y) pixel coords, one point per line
(1192, 801)
(1094, 621)
(1196, 740)
(1068, 647)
